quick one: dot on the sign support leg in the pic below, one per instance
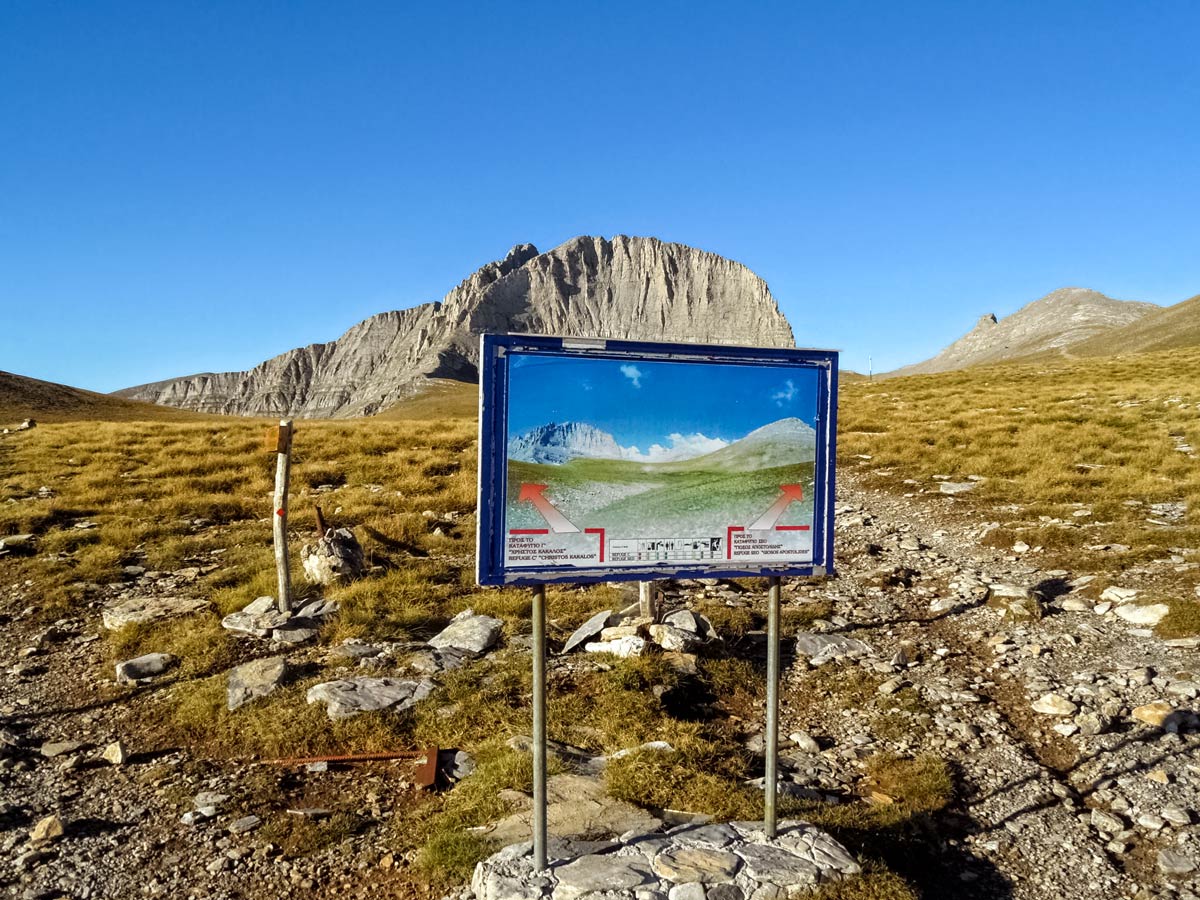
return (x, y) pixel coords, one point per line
(771, 742)
(539, 727)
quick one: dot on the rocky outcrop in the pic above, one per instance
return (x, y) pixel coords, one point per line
(627, 287)
(1054, 324)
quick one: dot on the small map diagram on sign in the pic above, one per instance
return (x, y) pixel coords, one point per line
(611, 463)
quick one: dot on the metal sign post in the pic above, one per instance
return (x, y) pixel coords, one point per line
(771, 742)
(539, 727)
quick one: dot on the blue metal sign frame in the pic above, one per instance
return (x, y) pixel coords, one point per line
(495, 351)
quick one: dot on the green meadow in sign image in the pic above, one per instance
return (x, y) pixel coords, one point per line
(658, 449)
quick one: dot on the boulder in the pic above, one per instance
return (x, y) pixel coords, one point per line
(623, 647)
(337, 558)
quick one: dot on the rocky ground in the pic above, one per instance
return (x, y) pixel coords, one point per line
(1071, 730)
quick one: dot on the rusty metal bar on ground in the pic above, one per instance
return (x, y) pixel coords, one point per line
(425, 776)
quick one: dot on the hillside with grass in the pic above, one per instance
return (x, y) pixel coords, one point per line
(45, 401)
(1171, 328)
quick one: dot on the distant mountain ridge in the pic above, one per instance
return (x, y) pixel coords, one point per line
(1055, 323)
(624, 288)
(556, 444)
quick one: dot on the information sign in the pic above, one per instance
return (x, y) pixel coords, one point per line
(620, 460)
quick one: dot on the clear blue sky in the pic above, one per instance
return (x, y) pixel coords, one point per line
(644, 403)
(196, 186)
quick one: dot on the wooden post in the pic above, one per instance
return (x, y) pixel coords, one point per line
(648, 600)
(283, 466)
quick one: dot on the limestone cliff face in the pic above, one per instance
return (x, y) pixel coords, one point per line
(1053, 324)
(634, 288)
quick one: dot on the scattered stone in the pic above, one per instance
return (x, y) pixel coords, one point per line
(671, 638)
(244, 824)
(1177, 816)
(1118, 595)
(804, 742)
(468, 633)
(1054, 705)
(1173, 864)
(822, 648)
(115, 754)
(47, 831)
(258, 619)
(1154, 714)
(1150, 614)
(255, 679)
(957, 487)
(52, 749)
(623, 647)
(351, 696)
(16, 542)
(1014, 602)
(138, 610)
(144, 666)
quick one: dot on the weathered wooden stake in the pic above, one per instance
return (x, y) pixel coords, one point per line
(283, 467)
(646, 600)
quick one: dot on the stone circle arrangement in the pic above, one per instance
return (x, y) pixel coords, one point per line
(728, 861)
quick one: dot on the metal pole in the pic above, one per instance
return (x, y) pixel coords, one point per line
(771, 742)
(539, 727)
(283, 465)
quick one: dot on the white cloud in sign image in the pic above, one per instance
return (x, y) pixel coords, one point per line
(786, 395)
(683, 446)
(633, 373)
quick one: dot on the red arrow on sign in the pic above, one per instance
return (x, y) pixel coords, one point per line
(558, 523)
(791, 492)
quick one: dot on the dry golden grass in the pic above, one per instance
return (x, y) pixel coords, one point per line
(1049, 438)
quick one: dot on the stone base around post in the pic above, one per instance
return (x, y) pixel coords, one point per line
(729, 861)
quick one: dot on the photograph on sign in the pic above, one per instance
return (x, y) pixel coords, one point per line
(613, 462)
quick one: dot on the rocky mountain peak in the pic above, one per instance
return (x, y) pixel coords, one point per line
(1052, 323)
(624, 288)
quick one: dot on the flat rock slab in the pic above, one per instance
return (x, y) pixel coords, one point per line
(822, 648)
(255, 679)
(715, 862)
(137, 610)
(350, 696)
(468, 633)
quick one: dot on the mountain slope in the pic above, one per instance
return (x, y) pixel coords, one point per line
(45, 401)
(1164, 329)
(1055, 323)
(629, 287)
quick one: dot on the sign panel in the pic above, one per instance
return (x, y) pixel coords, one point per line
(619, 460)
